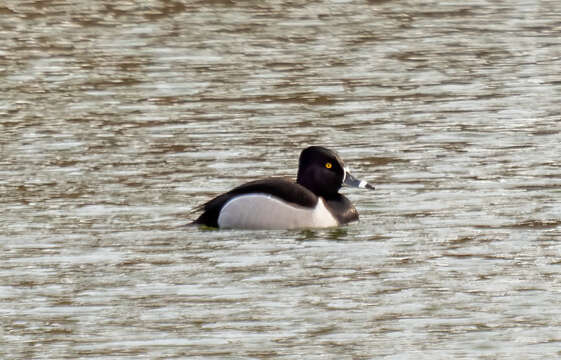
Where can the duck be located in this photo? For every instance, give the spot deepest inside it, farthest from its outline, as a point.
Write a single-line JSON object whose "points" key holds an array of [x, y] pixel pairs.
{"points": [[313, 201]]}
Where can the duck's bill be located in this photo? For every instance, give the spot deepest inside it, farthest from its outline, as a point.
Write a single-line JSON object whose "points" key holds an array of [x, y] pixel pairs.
{"points": [[354, 182]]}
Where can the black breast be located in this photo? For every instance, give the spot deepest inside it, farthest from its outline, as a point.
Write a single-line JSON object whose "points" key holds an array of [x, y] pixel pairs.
{"points": [[342, 208]]}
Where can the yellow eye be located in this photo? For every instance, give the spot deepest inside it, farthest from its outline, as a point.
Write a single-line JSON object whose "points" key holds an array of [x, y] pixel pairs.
{"points": [[328, 165]]}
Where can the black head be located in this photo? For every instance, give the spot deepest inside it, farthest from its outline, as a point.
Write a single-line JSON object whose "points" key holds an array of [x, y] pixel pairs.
{"points": [[322, 171]]}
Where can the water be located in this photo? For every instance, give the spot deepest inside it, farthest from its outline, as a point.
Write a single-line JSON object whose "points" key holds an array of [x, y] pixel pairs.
{"points": [[117, 118]]}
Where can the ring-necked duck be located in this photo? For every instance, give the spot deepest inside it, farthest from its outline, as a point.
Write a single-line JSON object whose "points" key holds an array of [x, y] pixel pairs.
{"points": [[277, 203]]}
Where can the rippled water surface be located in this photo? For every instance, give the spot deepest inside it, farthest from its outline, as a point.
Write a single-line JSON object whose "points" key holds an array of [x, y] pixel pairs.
{"points": [[119, 117]]}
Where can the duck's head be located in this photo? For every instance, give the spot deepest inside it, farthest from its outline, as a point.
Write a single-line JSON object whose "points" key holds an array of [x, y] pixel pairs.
{"points": [[322, 171]]}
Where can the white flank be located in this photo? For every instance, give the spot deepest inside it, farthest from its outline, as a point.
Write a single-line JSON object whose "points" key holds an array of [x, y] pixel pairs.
{"points": [[362, 184], [262, 211]]}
